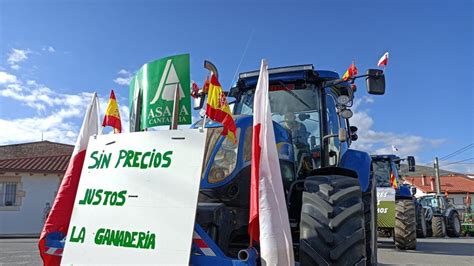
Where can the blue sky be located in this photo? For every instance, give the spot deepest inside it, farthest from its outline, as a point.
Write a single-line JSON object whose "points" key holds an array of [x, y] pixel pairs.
{"points": [[54, 53]]}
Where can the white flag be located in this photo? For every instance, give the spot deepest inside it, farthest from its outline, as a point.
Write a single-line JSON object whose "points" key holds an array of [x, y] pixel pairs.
{"points": [[59, 216], [276, 247], [383, 61], [394, 148]]}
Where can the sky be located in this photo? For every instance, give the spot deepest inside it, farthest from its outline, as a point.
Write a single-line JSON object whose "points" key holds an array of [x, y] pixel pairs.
{"points": [[54, 54]]}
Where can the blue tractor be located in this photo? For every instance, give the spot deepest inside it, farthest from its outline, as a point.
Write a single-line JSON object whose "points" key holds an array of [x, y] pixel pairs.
{"points": [[330, 202], [398, 214]]}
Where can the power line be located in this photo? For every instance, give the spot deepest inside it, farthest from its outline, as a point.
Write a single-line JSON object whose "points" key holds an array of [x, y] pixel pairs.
{"points": [[455, 153], [458, 162]]}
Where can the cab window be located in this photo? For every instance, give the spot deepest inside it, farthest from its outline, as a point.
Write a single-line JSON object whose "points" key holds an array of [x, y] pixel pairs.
{"points": [[332, 128]]}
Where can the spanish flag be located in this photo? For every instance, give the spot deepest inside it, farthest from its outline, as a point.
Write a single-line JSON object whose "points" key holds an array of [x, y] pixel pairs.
{"points": [[112, 114], [393, 180], [350, 72], [218, 109]]}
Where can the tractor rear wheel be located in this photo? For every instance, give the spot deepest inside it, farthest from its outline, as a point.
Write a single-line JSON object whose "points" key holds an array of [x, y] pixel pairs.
{"points": [[438, 226], [405, 224], [370, 216], [421, 227], [332, 222], [453, 226]]}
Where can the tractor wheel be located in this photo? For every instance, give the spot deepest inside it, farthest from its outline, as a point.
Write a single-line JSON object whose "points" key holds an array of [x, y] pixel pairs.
{"points": [[438, 226], [453, 226], [405, 224], [421, 227], [370, 217], [332, 222]]}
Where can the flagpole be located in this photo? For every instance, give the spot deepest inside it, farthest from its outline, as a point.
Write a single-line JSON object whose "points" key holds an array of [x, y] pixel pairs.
{"points": [[174, 121], [203, 123]]}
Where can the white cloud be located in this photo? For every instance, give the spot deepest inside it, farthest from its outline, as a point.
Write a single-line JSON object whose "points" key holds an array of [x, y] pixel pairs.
{"points": [[53, 128], [124, 77], [379, 142], [123, 81], [38, 96], [48, 49], [124, 72], [61, 125], [57, 113], [17, 56], [6, 78]]}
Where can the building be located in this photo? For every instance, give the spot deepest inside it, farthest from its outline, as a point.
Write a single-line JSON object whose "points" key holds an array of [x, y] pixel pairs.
{"points": [[456, 187], [30, 175]]}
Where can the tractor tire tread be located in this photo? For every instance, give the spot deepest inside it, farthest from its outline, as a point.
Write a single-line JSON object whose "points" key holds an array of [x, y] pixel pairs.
{"points": [[450, 228], [438, 226], [331, 229], [405, 224]]}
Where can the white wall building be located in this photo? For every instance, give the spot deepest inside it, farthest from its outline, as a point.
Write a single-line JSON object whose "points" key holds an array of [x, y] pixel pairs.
{"points": [[28, 185]]}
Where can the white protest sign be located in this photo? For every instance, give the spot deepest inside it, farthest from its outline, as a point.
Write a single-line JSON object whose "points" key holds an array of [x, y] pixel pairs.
{"points": [[136, 201]]}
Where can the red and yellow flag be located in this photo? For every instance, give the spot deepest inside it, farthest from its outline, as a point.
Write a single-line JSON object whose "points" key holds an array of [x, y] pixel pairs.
{"points": [[350, 72], [393, 180], [218, 109], [112, 114]]}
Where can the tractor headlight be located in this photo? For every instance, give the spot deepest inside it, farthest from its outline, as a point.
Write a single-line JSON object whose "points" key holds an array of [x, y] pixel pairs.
{"points": [[343, 99], [224, 161], [346, 113]]}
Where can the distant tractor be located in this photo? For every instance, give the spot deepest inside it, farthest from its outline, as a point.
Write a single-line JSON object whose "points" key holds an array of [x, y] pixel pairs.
{"points": [[396, 207], [445, 218]]}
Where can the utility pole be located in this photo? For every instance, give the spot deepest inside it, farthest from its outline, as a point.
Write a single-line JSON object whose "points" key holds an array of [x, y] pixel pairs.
{"points": [[438, 181]]}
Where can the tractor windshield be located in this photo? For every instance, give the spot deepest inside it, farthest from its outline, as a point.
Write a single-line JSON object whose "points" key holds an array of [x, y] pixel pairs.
{"points": [[382, 173], [296, 108]]}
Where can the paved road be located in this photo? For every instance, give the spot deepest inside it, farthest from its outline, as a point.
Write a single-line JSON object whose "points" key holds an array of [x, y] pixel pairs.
{"points": [[19, 251], [430, 251], [440, 251]]}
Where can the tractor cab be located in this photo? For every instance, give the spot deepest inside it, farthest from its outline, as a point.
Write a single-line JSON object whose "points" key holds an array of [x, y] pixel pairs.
{"points": [[315, 116], [386, 171]]}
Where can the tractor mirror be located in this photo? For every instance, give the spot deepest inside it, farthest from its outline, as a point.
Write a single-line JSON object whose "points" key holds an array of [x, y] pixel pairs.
{"points": [[413, 190], [375, 81], [411, 163]]}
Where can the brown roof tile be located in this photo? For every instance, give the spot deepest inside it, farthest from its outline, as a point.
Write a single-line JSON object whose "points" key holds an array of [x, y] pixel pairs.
{"points": [[451, 184], [46, 164]]}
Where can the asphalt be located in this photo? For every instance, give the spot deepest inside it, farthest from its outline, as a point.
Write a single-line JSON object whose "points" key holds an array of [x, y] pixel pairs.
{"points": [[430, 251], [19, 251]]}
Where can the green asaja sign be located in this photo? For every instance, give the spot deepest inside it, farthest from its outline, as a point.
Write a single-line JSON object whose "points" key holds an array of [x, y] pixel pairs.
{"points": [[158, 81]]}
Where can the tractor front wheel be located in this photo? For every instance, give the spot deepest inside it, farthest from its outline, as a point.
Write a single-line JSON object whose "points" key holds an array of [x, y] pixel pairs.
{"points": [[405, 224], [453, 228], [438, 226], [332, 222]]}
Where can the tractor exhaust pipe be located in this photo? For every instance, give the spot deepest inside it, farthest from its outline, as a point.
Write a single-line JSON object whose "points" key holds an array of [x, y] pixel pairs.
{"points": [[249, 255]]}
